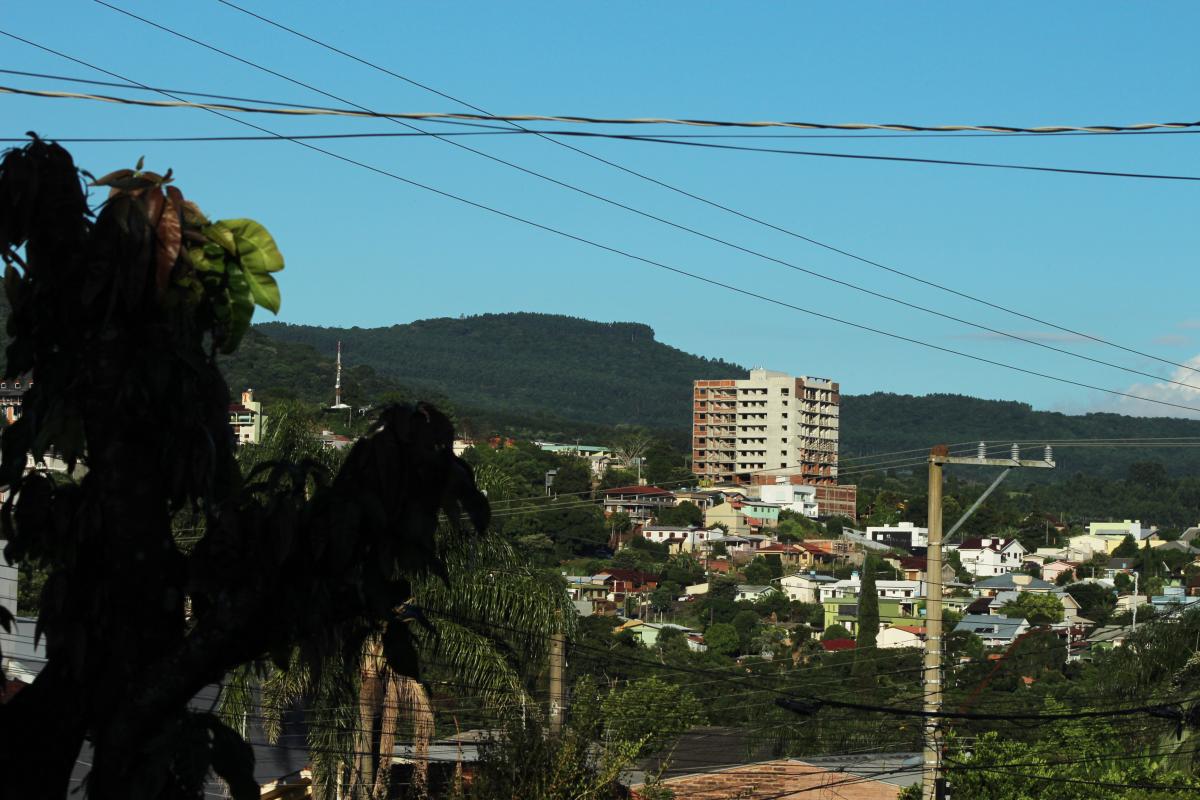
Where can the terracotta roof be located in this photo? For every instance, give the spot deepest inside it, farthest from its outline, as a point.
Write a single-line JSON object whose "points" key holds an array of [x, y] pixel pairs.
{"points": [[917, 629], [830, 645], [913, 562]]}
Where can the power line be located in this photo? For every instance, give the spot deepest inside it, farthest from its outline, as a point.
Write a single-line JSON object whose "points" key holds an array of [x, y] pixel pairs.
{"points": [[654, 217], [193, 93], [707, 201], [273, 138], [309, 111], [662, 265]]}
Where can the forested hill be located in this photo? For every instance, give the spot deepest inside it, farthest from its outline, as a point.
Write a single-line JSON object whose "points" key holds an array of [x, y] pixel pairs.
{"points": [[884, 422], [558, 376], [590, 372]]}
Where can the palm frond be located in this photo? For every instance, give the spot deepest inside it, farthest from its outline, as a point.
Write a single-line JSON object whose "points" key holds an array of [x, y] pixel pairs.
{"points": [[237, 705], [477, 663]]}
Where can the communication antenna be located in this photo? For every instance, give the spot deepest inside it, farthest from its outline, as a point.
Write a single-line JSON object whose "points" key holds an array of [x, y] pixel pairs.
{"points": [[337, 382]]}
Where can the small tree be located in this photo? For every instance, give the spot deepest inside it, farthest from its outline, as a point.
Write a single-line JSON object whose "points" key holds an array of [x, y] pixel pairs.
{"points": [[673, 711], [1127, 548], [835, 631], [722, 639], [868, 624], [1037, 608]]}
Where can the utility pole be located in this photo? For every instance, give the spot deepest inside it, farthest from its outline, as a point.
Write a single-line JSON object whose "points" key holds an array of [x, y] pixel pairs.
{"points": [[931, 776], [932, 782], [557, 665]]}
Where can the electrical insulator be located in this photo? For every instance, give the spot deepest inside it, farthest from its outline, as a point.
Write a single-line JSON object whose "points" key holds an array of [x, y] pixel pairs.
{"points": [[1016, 452], [982, 451], [1049, 454]]}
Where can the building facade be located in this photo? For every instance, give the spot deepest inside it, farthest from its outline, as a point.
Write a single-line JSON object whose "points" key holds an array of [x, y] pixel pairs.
{"points": [[246, 419], [767, 425]]}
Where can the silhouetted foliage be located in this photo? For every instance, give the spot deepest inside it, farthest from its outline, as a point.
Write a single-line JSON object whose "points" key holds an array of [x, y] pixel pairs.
{"points": [[119, 316]]}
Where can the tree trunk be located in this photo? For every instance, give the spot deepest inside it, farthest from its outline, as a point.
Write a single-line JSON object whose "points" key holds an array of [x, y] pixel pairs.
{"points": [[389, 725], [362, 777], [415, 701]]}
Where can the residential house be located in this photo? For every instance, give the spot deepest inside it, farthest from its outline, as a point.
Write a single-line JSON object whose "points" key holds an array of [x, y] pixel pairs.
{"points": [[801, 555], [621, 583], [647, 633], [791, 556], [1011, 582], [1124, 564], [798, 498], [897, 636], [904, 536], [1107, 637], [896, 590], [842, 549], [680, 539], [994, 631], [1171, 598], [730, 517], [702, 500], [1113, 533], [805, 587], [987, 556], [751, 593], [734, 545], [246, 419], [641, 503], [597, 456], [766, 513], [1084, 546], [913, 568], [1051, 570], [844, 611], [585, 587]]}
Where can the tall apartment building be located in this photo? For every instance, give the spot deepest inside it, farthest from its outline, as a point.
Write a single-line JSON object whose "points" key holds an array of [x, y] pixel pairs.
{"points": [[764, 427]]}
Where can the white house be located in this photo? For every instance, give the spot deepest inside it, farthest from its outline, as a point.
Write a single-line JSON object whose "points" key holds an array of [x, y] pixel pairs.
{"points": [[805, 586], [904, 535], [752, 593], [681, 539], [801, 499], [895, 590], [985, 557], [1119, 530], [896, 636]]}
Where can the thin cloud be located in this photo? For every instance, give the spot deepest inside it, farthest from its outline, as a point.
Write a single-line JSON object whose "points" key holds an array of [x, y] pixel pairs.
{"points": [[1189, 325], [1164, 392], [1172, 340]]}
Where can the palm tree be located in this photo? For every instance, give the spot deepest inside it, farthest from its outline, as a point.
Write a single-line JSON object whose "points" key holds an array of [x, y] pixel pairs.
{"points": [[486, 620]]}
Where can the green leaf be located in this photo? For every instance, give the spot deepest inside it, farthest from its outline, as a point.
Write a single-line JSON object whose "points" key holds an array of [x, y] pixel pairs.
{"points": [[218, 233], [241, 308], [255, 246], [232, 759], [265, 290]]}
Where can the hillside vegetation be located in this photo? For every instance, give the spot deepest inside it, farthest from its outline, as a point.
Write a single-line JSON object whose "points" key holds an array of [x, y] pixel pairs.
{"points": [[543, 375], [591, 372]]}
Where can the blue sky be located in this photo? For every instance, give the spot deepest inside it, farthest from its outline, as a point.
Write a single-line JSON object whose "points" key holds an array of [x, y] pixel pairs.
{"points": [[1111, 257]]}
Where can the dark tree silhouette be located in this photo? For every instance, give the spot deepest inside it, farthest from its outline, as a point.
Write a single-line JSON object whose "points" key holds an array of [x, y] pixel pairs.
{"points": [[119, 317]]}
